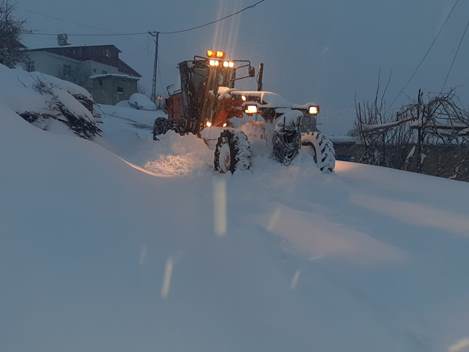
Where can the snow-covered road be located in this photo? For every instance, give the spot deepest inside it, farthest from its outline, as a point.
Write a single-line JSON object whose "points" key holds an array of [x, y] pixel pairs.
{"points": [[100, 256]]}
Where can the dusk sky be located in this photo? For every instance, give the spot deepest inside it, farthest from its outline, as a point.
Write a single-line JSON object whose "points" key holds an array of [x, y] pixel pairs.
{"points": [[326, 51]]}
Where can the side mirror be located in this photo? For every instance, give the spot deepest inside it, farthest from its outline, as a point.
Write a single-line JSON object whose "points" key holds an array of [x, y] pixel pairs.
{"points": [[252, 72]]}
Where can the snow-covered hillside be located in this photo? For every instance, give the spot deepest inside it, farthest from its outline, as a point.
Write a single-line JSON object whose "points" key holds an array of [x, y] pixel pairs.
{"points": [[122, 250], [48, 102]]}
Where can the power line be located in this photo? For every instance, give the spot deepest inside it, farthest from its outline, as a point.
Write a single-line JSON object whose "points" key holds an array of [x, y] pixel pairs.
{"points": [[214, 21], [427, 53], [453, 62], [190, 29]]}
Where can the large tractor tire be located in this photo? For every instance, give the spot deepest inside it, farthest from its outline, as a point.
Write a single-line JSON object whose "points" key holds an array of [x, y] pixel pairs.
{"points": [[232, 152], [161, 126], [323, 150], [286, 145]]}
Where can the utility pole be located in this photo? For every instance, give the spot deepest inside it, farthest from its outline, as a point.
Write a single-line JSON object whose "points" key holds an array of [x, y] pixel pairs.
{"points": [[156, 35]]}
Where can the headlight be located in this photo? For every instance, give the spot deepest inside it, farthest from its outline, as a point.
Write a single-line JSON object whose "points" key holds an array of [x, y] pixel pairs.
{"points": [[313, 110], [251, 109], [208, 124], [214, 63], [228, 64]]}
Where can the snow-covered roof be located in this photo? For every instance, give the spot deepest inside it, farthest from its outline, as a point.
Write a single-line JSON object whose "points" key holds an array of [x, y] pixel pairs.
{"points": [[115, 75], [36, 47], [270, 98], [107, 54]]}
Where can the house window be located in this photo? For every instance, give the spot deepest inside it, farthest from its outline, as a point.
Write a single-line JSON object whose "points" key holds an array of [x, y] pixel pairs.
{"points": [[120, 90], [100, 81], [67, 70], [107, 53]]}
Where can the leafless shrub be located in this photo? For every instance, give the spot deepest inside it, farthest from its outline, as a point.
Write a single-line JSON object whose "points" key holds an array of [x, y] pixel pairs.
{"points": [[10, 30], [402, 140]]}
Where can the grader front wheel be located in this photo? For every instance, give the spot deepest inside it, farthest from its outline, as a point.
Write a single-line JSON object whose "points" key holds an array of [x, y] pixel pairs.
{"points": [[323, 150]]}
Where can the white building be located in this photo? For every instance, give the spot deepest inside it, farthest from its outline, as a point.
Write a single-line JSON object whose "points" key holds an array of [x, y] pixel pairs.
{"points": [[97, 68]]}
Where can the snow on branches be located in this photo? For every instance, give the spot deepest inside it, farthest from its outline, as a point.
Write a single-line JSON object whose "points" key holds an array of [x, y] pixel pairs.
{"points": [[404, 139], [44, 100]]}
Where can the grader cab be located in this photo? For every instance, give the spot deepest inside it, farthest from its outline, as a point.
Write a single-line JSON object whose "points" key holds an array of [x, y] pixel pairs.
{"points": [[195, 104]]}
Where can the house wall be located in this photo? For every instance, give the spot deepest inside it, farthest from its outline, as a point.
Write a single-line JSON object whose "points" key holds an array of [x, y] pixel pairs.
{"points": [[57, 66], [90, 68], [106, 90], [112, 90]]}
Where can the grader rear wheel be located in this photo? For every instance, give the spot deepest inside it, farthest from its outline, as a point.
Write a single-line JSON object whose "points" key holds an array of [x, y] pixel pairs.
{"points": [[161, 126], [232, 152]]}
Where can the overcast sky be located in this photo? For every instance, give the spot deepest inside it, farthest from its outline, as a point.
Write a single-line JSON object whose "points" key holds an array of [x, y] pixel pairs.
{"points": [[314, 50]]}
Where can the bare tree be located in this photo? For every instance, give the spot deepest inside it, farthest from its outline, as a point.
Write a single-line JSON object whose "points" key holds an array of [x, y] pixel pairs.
{"points": [[403, 141], [369, 114], [436, 120], [10, 30]]}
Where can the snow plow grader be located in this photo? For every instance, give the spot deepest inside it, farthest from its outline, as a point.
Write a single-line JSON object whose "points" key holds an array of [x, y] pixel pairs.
{"points": [[231, 121]]}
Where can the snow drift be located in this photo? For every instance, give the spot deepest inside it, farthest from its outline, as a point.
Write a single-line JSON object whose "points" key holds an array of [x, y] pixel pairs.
{"points": [[141, 102], [278, 259], [48, 102]]}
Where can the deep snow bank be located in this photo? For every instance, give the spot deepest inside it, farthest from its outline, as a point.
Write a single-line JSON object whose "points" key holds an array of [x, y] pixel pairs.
{"points": [[141, 102], [278, 259], [48, 102]]}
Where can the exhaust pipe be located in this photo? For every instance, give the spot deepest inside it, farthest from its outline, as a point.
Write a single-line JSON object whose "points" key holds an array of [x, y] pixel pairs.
{"points": [[260, 78]]}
